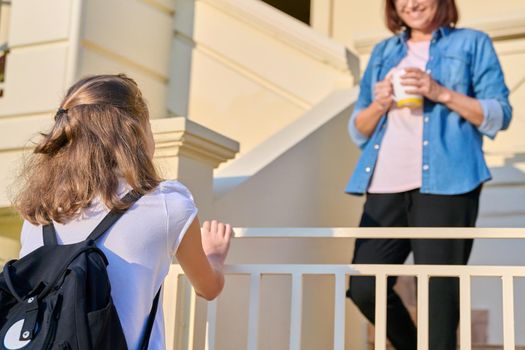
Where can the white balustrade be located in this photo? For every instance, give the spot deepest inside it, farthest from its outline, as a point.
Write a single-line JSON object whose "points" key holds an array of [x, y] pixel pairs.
{"points": [[423, 273]]}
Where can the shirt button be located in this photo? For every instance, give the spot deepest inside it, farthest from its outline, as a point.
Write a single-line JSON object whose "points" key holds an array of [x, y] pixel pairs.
{"points": [[425, 143], [376, 146], [425, 167], [426, 119], [368, 169]]}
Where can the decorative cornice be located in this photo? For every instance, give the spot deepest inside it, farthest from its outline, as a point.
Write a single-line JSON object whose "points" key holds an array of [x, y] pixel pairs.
{"points": [[175, 137]]}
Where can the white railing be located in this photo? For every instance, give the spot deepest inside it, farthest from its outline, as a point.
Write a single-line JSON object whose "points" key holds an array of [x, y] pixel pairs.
{"points": [[381, 273]]}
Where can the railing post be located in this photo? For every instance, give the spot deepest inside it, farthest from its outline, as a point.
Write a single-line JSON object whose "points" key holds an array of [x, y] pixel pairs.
{"points": [[380, 312], [508, 312], [192, 316], [422, 311], [339, 312], [464, 317], [296, 311], [253, 312], [211, 325]]}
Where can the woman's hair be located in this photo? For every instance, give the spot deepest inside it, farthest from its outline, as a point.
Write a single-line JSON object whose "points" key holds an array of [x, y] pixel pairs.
{"points": [[98, 138], [447, 15]]}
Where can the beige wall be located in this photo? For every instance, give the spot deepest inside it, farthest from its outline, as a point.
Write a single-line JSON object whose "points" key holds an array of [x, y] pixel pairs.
{"points": [[302, 187], [252, 70], [132, 37]]}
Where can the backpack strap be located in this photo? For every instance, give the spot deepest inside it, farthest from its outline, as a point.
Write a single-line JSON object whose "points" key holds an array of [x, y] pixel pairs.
{"points": [[50, 234], [151, 321], [112, 217]]}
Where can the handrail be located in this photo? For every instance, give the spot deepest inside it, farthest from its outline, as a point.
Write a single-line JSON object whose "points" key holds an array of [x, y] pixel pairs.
{"points": [[382, 232]]}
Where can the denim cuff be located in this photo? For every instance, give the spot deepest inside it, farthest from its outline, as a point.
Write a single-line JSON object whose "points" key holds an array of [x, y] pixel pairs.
{"points": [[358, 138], [492, 117]]}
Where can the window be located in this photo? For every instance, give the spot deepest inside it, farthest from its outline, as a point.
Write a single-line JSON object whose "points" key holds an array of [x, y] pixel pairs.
{"points": [[299, 9], [4, 51]]}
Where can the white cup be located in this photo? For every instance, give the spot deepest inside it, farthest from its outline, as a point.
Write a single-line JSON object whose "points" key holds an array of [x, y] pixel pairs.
{"points": [[400, 96]]}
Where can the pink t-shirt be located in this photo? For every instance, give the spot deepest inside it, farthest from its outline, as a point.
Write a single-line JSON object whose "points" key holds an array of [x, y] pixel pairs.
{"points": [[399, 162]]}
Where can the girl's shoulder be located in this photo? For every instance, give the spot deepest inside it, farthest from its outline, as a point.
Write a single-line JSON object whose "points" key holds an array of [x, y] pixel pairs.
{"points": [[173, 186], [174, 192]]}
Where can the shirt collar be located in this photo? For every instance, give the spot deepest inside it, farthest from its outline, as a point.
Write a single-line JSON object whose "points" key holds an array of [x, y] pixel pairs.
{"points": [[437, 34]]}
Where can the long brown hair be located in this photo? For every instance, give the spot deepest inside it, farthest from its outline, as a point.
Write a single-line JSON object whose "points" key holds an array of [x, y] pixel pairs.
{"points": [[99, 136], [446, 16]]}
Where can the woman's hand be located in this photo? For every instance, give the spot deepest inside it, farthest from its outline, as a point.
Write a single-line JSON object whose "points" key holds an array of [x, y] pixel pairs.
{"points": [[383, 93], [366, 121], [421, 83], [216, 238]]}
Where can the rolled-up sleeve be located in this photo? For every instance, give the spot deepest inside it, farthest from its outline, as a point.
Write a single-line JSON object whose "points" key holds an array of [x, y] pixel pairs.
{"points": [[358, 138], [490, 89], [492, 117]]}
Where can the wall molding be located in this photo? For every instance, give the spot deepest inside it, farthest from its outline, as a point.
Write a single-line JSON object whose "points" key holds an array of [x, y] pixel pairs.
{"points": [[175, 137], [292, 32], [115, 56], [244, 71]]}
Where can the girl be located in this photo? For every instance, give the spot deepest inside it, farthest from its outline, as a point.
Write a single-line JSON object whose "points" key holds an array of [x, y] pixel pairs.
{"points": [[99, 148]]}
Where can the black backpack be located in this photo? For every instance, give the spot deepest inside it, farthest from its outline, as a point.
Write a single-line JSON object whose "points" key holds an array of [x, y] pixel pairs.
{"points": [[58, 297]]}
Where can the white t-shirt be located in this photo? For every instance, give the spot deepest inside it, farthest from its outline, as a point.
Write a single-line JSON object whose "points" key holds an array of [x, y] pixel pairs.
{"points": [[140, 248]]}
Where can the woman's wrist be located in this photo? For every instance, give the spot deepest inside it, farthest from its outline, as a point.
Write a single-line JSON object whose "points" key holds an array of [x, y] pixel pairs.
{"points": [[379, 108], [444, 95]]}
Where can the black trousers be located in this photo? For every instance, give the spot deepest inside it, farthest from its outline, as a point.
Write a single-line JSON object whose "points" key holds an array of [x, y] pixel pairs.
{"points": [[413, 209]]}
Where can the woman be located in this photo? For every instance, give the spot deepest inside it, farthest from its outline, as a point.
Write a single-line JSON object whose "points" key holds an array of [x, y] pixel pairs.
{"points": [[424, 166], [100, 147]]}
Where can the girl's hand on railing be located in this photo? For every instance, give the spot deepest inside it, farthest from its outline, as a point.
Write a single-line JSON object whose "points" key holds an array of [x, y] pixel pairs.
{"points": [[201, 255], [216, 238]]}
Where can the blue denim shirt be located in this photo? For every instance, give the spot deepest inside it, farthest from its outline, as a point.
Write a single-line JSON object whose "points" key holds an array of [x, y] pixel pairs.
{"points": [[462, 60]]}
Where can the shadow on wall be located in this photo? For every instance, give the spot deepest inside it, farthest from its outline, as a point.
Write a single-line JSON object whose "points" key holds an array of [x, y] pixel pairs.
{"points": [[179, 86], [304, 187]]}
